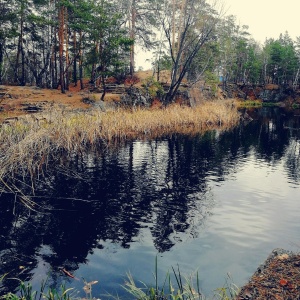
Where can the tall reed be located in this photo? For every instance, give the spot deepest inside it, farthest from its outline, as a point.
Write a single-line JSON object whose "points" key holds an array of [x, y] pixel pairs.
{"points": [[27, 143]]}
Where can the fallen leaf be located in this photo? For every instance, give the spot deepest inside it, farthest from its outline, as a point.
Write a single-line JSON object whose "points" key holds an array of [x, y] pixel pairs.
{"points": [[283, 282]]}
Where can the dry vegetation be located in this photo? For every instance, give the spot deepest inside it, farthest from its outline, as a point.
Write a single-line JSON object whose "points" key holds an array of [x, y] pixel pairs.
{"points": [[67, 125], [27, 142]]}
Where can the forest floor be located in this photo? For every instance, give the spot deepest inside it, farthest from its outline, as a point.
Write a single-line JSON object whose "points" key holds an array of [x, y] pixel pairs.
{"points": [[20, 100]]}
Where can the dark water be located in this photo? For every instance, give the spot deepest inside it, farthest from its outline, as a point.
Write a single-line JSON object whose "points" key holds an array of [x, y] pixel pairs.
{"points": [[216, 203]]}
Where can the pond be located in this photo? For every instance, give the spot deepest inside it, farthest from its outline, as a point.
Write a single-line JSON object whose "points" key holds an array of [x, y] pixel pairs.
{"points": [[216, 203]]}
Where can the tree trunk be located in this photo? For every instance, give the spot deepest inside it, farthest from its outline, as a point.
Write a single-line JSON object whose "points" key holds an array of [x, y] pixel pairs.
{"points": [[61, 48], [23, 74], [67, 73], [19, 51], [173, 26], [295, 82], [132, 36], [75, 60], [93, 73], [182, 61], [1, 59], [52, 62], [80, 61], [104, 86]]}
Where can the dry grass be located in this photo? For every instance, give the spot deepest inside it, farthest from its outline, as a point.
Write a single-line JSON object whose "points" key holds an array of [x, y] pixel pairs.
{"points": [[27, 143]]}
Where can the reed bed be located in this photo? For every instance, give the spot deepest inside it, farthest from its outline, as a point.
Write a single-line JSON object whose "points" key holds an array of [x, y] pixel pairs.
{"points": [[27, 143]]}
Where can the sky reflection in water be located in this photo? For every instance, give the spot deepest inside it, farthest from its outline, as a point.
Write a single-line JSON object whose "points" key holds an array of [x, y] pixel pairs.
{"points": [[217, 203]]}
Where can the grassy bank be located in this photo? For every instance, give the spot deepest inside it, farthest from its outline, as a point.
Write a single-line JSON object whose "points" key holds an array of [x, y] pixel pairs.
{"points": [[27, 142]]}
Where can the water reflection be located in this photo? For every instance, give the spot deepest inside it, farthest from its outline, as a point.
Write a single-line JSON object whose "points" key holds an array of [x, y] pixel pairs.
{"points": [[162, 185]]}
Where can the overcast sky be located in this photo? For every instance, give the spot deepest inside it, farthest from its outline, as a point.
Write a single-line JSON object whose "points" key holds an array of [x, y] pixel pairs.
{"points": [[266, 18]]}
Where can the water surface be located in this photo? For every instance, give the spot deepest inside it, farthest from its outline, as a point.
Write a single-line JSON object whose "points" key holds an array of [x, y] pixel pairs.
{"points": [[216, 203]]}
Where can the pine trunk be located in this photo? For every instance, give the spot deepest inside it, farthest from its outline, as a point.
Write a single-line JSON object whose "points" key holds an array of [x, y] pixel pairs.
{"points": [[67, 73], [19, 52], [80, 61], [61, 47], [1, 59], [75, 60], [132, 36]]}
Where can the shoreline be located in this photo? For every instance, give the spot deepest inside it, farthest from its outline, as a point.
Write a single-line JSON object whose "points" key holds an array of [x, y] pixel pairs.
{"points": [[277, 278]]}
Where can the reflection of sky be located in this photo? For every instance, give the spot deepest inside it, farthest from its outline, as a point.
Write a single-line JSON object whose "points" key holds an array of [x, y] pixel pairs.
{"points": [[253, 202], [155, 155], [235, 222], [255, 209]]}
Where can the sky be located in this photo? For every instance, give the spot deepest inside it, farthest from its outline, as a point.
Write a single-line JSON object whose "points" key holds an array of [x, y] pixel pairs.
{"points": [[266, 18]]}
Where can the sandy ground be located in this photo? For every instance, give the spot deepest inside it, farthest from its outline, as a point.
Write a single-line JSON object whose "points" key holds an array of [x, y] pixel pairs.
{"points": [[19, 100]]}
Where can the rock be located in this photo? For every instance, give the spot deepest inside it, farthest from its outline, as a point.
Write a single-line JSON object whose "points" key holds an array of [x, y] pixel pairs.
{"points": [[135, 97], [100, 105], [31, 108], [88, 100]]}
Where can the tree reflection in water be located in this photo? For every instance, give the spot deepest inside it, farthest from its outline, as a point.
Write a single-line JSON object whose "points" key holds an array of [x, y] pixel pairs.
{"points": [[162, 185]]}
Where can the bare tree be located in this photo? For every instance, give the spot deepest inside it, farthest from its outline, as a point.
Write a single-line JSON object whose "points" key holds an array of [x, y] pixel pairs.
{"points": [[197, 21]]}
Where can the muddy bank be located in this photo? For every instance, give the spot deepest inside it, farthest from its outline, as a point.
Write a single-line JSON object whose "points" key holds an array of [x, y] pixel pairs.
{"points": [[278, 278]]}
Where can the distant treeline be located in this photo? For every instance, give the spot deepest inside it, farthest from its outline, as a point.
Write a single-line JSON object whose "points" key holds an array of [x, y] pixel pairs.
{"points": [[54, 43]]}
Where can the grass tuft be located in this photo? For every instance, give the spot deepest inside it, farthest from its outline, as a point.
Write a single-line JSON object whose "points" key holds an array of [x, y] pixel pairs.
{"points": [[185, 288], [249, 103]]}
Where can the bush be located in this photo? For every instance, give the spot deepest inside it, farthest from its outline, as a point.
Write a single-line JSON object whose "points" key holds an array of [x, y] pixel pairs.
{"points": [[153, 87]]}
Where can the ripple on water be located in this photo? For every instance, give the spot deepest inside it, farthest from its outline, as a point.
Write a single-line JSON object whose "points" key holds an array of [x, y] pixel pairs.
{"points": [[214, 204]]}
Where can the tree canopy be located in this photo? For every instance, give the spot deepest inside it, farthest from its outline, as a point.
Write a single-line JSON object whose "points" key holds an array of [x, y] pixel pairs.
{"points": [[55, 43]]}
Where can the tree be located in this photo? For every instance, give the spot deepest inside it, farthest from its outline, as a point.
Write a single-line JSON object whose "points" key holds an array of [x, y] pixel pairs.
{"points": [[27, 26], [297, 49], [109, 43], [38, 47], [161, 62], [282, 62], [233, 41], [198, 21], [141, 20], [7, 30], [254, 64]]}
